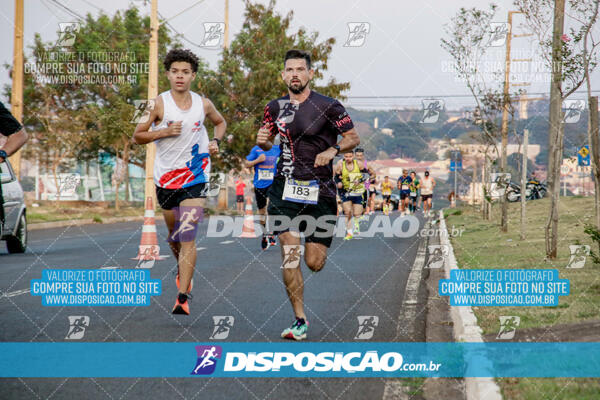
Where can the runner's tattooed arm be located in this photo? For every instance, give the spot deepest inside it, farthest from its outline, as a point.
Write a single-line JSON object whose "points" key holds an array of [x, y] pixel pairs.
{"points": [[144, 135], [218, 121]]}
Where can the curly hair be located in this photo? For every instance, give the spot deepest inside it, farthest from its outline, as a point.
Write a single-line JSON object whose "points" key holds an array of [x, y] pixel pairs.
{"points": [[184, 55]]}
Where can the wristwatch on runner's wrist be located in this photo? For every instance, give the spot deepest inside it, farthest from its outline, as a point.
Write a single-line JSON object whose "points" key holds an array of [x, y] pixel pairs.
{"points": [[217, 140], [3, 155], [337, 148]]}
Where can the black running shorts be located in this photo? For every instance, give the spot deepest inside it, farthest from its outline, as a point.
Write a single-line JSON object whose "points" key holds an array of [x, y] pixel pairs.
{"points": [[325, 206], [261, 195], [168, 199]]}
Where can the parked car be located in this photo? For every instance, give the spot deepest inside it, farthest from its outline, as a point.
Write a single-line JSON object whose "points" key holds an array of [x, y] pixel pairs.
{"points": [[14, 229]]}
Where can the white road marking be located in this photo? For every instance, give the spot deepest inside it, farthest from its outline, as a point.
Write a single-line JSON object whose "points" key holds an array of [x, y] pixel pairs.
{"points": [[395, 389], [15, 293], [200, 248], [227, 242]]}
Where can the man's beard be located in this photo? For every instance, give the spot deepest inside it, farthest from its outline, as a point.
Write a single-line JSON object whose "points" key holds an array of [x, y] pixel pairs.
{"points": [[297, 89]]}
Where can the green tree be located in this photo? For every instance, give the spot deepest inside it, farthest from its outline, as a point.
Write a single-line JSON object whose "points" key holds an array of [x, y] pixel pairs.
{"points": [[88, 104]]}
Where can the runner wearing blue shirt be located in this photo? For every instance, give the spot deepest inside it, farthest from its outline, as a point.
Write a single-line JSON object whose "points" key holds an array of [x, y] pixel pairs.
{"points": [[264, 163], [404, 183]]}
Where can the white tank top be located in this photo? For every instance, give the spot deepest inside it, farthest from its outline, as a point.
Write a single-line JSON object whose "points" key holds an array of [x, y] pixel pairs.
{"points": [[182, 161], [426, 185]]}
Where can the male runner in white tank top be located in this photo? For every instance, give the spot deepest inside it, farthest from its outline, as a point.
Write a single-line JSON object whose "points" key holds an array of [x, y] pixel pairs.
{"points": [[182, 163]]}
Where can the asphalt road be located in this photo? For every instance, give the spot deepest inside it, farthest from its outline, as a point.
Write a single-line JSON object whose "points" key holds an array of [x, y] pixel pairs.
{"points": [[234, 277]]}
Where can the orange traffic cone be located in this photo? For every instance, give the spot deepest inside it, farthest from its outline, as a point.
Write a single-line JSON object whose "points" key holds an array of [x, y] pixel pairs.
{"points": [[248, 227], [149, 248]]}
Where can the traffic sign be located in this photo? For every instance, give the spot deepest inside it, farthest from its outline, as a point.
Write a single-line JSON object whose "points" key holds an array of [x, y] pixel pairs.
{"points": [[456, 165], [583, 156]]}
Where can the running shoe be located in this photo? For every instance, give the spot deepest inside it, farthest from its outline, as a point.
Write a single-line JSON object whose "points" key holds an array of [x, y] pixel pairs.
{"points": [[177, 283], [272, 240], [297, 331], [182, 305], [348, 236], [265, 243]]}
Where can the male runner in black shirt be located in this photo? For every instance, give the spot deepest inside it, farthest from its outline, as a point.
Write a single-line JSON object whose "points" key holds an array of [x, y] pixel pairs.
{"points": [[308, 124], [17, 137]]}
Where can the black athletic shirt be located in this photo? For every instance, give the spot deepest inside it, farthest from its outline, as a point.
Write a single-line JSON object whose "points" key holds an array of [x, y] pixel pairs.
{"points": [[8, 123], [305, 130]]}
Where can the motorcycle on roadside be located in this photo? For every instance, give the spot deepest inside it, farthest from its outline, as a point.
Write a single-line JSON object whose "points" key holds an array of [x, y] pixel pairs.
{"points": [[533, 190]]}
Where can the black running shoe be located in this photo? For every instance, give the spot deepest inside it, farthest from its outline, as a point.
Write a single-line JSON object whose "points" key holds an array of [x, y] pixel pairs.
{"points": [[265, 242]]}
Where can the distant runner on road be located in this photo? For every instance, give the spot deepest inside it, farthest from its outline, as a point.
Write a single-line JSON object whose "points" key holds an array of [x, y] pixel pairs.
{"points": [[427, 185], [264, 164]]}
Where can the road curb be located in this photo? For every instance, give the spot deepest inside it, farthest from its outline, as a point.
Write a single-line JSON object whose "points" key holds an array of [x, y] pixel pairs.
{"points": [[79, 222], [466, 328]]}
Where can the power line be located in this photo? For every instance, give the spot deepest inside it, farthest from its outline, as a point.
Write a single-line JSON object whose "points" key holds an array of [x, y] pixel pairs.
{"points": [[443, 96], [165, 21], [73, 13], [181, 12]]}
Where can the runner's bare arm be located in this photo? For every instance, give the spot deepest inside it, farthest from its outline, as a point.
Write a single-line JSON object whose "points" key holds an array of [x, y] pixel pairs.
{"points": [[264, 139], [14, 142], [349, 141], [258, 160], [372, 173], [218, 121], [143, 135]]}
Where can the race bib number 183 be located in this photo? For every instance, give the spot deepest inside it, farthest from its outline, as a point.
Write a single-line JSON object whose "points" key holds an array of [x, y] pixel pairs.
{"points": [[301, 191]]}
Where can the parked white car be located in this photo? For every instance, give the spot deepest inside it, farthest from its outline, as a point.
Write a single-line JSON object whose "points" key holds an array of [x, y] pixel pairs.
{"points": [[14, 229]]}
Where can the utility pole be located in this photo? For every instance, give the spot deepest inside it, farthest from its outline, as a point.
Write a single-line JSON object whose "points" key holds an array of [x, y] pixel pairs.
{"points": [[16, 96], [524, 181], [504, 128], [595, 149], [223, 198], [152, 93], [226, 36], [555, 136]]}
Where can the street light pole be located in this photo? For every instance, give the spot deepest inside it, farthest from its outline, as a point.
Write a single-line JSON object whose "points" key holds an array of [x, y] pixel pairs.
{"points": [[152, 93], [16, 97]]}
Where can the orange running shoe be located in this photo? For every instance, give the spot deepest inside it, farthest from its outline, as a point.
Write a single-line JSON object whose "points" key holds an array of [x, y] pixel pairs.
{"points": [[182, 305]]}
